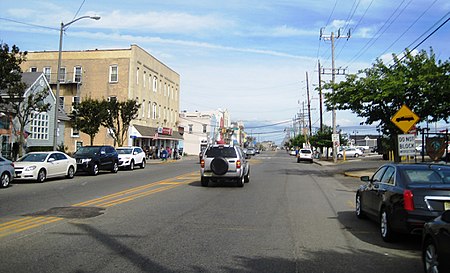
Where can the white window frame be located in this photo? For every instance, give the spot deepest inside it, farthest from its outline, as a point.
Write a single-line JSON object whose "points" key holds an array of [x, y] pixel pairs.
{"points": [[111, 74], [155, 84], [74, 132], [75, 73], [33, 69], [39, 126], [137, 76], [149, 110], [144, 78], [75, 101], [62, 74], [154, 107], [48, 73]]}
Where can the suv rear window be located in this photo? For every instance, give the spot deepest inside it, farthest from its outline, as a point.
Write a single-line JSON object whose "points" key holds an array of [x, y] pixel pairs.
{"points": [[221, 152]]}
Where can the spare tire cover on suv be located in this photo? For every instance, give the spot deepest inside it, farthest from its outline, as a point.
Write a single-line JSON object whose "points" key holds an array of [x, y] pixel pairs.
{"points": [[219, 165]]}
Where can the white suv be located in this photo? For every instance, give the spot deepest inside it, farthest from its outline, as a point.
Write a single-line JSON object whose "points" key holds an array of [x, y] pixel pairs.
{"points": [[129, 157], [224, 163]]}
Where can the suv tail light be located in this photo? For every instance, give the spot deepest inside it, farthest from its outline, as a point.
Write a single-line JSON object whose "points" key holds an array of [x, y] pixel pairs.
{"points": [[238, 164], [202, 163], [408, 200]]}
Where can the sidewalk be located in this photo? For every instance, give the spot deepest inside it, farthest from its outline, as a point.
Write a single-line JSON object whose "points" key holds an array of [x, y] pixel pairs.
{"points": [[356, 174], [159, 161]]}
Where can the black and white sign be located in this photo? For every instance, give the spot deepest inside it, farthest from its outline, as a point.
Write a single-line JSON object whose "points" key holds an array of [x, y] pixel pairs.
{"points": [[406, 145]]}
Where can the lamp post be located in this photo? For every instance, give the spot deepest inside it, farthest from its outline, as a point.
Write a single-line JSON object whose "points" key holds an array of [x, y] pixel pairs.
{"points": [[58, 73]]}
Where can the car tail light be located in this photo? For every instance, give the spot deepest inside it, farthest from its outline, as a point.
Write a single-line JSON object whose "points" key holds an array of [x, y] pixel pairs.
{"points": [[408, 200], [202, 163], [238, 164]]}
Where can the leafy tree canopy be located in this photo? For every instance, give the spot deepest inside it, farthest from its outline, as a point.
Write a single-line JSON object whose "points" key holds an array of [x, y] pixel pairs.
{"points": [[416, 80]]}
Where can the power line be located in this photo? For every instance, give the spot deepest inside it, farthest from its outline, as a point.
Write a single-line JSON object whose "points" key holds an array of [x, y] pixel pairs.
{"points": [[28, 24]]}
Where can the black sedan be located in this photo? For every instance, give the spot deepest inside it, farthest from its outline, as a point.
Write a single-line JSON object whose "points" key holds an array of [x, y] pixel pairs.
{"points": [[436, 244], [403, 197]]}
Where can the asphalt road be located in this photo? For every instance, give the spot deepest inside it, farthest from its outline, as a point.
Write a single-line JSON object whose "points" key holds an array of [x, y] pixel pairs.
{"points": [[291, 217]]}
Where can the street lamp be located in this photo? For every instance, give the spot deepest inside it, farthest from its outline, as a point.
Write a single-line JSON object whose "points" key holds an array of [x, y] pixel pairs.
{"points": [[63, 27]]}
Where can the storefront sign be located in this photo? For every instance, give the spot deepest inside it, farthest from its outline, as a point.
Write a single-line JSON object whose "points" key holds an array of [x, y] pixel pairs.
{"points": [[165, 131]]}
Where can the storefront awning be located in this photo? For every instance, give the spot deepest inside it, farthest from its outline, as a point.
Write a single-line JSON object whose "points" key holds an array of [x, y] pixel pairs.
{"points": [[140, 131]]}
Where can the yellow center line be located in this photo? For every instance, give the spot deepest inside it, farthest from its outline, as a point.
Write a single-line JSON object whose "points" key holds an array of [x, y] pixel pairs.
{"points": [[110, 200]]}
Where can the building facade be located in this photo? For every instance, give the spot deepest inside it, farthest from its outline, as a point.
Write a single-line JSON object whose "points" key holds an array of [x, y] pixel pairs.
{"points": [[208, 126], [119, 74]]}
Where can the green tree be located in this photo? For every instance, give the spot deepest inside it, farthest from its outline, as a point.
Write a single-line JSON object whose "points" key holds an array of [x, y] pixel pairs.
{"points": [[416, 80], [119, 118], [322, 139], [88, 116], [14, 98]]}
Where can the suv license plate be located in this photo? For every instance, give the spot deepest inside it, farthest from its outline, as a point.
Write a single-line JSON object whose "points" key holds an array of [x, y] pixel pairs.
{"points": [[446, 205]]}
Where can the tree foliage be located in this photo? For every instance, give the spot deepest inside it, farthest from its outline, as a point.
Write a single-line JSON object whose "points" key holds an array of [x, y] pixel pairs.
{"points": [[88, 116], [119, 118], [377, 93], [15, 99]]}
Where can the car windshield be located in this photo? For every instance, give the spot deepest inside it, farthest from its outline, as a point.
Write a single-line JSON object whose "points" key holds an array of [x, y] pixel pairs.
{"points": [[124, 151], [431, 176], [34, 157], [87, 150], [221, 152]]}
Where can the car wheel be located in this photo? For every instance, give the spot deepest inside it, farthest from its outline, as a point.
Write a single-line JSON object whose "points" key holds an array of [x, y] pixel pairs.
{"points": [[358, 209], [41, 176], [240, 182], [115, 167], [247, 177], [131, 167], [143, 164], [340, 155], [71, 172], [94, 170], [430, 257], [219, 166], [356, 155], [204, 181], [4, 180], [385, 226]]}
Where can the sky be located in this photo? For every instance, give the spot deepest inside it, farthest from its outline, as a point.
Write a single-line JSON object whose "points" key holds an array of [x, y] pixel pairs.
{"points": [[250, 57]]}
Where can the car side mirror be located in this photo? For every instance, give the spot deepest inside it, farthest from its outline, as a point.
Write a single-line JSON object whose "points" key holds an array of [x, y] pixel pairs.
{"points": [[102, 152], [365, 178], [446, 216], [51, 159]]}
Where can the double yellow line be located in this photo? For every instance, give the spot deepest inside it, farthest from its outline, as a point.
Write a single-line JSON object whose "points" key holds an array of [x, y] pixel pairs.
{"points": [[29, 222]]}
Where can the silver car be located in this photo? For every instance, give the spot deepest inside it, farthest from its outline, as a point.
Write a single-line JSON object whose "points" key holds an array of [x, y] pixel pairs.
{"points": [[224, 163], [6, 172]]}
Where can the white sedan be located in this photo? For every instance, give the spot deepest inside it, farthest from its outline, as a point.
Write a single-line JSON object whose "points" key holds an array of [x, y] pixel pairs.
{"points": [[130, 157], [351, 152], [42, 165]]}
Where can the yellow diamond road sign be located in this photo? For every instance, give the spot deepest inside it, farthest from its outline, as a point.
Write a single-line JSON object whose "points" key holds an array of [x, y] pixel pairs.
{"points": [[405, 119]]}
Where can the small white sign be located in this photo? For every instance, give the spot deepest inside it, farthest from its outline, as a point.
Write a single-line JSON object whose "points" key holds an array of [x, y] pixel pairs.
{"points": [[406, 145], [334, 137]]}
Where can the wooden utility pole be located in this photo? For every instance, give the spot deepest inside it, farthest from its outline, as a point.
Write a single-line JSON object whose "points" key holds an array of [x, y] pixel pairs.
{"points": [[309, 104], [320, 97]]}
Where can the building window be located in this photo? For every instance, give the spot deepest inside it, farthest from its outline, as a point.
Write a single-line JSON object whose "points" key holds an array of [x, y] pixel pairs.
{"points": [[113, 73], [165, 90], [75, 133], [77, 74], [61, 102], [39, 126], [155, 84], [137, 76], [78, 144], [48, 73], [75, 101], [62, 74], [154, 110], [149, 110], [204, 128], [144, 78], [143, 109], [190, 129], [33, 69], [112, 98]]}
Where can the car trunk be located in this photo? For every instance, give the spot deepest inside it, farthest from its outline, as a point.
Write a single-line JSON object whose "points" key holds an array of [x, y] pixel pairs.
{"points": [[431, 197]]}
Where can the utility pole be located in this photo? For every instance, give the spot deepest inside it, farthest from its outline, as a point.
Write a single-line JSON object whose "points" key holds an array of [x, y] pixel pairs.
{"points": [[309, 104], [333, 76], [320, 97]]}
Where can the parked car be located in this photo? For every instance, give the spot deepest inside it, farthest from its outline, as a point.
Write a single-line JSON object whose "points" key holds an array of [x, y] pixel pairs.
{"points": [[42, 165], [6, 172], [224, 163], [92, 159], [250, 151], [350, 152], [130, 157], [305, 155], [436, 244], [293, 152], [403, 197]]}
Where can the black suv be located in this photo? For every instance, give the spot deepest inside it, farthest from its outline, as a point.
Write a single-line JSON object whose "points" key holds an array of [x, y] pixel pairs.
{"points": [[92, 159]]}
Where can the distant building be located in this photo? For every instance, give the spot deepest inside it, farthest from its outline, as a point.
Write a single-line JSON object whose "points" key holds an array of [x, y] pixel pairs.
{"points": [[209, 126], [118, 74]]}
